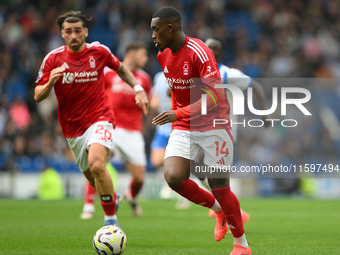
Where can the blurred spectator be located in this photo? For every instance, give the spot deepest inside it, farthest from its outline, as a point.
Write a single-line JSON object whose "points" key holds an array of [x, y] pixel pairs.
{"points": [[50, 185], [20, 114], [4, 116]]}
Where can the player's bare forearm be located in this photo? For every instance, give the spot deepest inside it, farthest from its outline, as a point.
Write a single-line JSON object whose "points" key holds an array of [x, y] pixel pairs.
{"points": [[42, 92], [164, 117], [141, 99], [125, 74]]}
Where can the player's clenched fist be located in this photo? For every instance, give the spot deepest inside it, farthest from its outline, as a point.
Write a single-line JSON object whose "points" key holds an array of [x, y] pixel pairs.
{"points": [[42, 92], [56, 73]]}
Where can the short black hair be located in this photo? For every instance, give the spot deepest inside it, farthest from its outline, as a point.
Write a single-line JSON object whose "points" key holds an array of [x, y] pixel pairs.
{"points": [[167, 13], [73, 17], [219, 40], [134, 46]]}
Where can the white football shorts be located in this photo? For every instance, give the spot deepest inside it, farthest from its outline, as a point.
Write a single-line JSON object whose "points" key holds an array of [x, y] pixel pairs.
{"points": [[101, 132], [217, 146], [130, 145]]}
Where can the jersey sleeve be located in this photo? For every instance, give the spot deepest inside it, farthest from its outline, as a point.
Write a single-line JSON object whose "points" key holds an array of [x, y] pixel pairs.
{"points": [[112, 61], [44, 72], [108, 75], [238, 79], [206, 64]]}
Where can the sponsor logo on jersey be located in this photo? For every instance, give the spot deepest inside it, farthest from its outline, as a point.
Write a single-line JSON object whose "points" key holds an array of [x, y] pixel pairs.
{"points": [[77, 77], [92, 62], [166, 70], [173, 81], [210, 73], [68, 78]]}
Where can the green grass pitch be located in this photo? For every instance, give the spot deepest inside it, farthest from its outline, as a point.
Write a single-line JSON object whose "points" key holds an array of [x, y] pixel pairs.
{"points": [[277, 226]]}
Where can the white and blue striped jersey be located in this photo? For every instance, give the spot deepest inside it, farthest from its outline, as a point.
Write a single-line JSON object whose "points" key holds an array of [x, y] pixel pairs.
{"points": [[237, 78]]}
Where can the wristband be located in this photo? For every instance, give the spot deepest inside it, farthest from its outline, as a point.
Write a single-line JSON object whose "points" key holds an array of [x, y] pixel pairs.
{"points": [[138, 88]]}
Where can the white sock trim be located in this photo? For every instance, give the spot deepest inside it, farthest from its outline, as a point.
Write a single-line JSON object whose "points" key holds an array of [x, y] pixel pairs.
{"points": [[241, 241], [110, 217], [216, 206], [88, 208]]}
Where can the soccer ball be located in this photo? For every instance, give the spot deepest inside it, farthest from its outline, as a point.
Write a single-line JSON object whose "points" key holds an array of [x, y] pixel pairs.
{"points": [[109, 240]]}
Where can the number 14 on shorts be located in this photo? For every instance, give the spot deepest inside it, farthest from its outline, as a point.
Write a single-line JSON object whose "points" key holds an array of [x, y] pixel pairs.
{"points": [[221, 150]]}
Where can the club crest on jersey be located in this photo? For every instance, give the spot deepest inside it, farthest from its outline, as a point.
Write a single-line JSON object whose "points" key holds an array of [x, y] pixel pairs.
{"points": [[92, 62], [186, 68]]}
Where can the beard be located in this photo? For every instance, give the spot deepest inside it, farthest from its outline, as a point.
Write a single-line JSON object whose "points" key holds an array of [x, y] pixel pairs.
{"points": [[161, 49], [75, 45]]}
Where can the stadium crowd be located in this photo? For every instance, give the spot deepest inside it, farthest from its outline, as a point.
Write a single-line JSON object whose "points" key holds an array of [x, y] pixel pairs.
{"points": [[264, 38]]}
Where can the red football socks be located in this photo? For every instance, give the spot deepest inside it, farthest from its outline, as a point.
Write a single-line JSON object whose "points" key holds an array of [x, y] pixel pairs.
{"points": [[90, 193], [231, 208], [135, 188], [109, 207], [191, 191]]}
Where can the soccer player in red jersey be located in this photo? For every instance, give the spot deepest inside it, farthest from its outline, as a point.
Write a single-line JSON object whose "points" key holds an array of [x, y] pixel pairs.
{"points": [[76, 72], [188, 65], [129, 139]]}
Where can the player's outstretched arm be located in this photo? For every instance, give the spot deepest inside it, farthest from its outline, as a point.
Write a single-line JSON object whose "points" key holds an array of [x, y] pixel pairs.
{"points": [[141, 99], [43, 91], [260, 98], [164, 117]]}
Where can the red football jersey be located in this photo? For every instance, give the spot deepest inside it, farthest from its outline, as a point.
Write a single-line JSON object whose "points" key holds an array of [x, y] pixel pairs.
{"points": [[191, 72], [122, 98], [80, 91]]}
